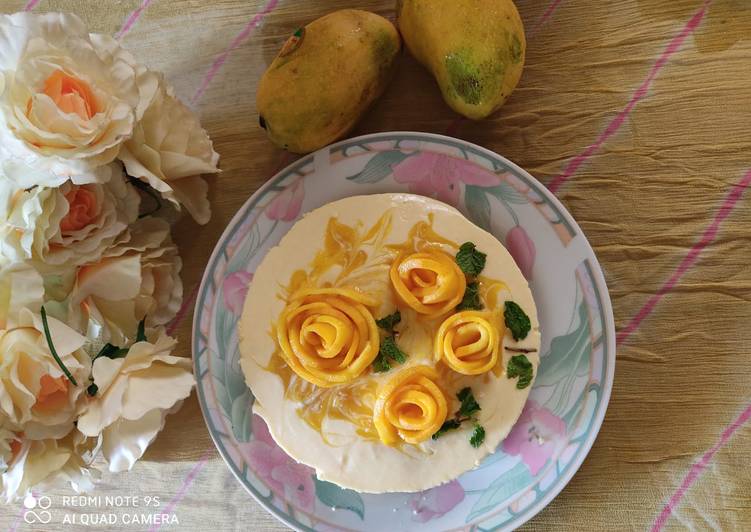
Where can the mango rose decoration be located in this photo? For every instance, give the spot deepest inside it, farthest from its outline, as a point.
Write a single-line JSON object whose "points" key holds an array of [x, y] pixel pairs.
{"points": [[96, 156], [430, 282], [328, 336], [468, 342], [410, 407]]}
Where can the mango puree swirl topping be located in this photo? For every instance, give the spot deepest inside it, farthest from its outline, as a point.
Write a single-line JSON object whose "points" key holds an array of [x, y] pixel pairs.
{"points": [[430, 282], [328, 336], [410, 406], [468, 342]]}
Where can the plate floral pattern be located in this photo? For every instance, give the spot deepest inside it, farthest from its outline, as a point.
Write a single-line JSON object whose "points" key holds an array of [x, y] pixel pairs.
{"points": [[570, 395]]}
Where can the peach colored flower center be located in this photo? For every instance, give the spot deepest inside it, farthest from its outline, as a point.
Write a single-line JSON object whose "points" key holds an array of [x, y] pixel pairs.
{"points": [[71, 95], [15, 445], [81, 210], [53, 393]]}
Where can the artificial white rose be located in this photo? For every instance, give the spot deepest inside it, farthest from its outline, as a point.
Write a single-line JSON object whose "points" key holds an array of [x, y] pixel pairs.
{"points": [[137, 278], [21, 287], [161, 292], [64, 226], [135, 393], [34, 391], [68, 99], [169, 150], [10, 442], [49, 463]]}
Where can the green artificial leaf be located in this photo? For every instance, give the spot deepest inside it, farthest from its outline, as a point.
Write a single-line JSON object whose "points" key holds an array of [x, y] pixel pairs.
{"points": [[333, 496], [471, 299], [112, 351], [478, 436], [469, 259], [468, 405], [450, 424], [387, 323], [516, 320], [379, 166], [141, 334], [520, 366]]}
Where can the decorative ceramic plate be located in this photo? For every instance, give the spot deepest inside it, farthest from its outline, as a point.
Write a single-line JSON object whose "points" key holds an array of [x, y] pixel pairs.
{"points": [[565, 408]]}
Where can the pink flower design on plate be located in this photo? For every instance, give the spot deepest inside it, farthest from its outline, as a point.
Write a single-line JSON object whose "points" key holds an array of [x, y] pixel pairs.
{"points": [[234, 290], [522, 249], [436, 502], [287, 204], [438, 175], [289, 480], [535, 436]]}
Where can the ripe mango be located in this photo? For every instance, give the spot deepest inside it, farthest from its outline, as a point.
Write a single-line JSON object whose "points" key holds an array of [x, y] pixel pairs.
{"points": [[474, 48], [325, 77]]}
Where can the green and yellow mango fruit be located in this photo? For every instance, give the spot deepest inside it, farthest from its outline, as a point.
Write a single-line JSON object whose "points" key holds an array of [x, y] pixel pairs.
{"points": [[474, 48], [325, 77]]}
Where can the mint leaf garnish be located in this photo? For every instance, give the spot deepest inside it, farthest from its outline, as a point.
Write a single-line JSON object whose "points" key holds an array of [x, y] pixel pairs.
{"points": [[470, 260], [389, 353], [380, 364], [448, 425], [478, 436], [520, 366], [469, 405], [516, 320], [471, 299], [387, 323], [467, 409]]}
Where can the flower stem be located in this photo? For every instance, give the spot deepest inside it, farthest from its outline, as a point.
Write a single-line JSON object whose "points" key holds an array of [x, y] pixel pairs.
{"points": [[48, 336]]}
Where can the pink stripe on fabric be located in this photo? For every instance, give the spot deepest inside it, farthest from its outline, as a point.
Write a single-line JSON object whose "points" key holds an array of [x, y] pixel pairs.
{"points": [[182, 311], [698, 468], [244, 34], [132, 19], [31, 4], [640, 93], [707, 238], [548, 13], [183, 489], [17, 521]]}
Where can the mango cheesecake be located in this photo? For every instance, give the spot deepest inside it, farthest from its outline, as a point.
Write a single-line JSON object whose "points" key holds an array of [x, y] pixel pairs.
{"points": [[390, 344]]}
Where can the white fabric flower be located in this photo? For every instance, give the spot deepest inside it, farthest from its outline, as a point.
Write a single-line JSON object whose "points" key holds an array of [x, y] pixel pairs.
{"points": [[10, 442], [34, 391], [21, 287], [68, 99], [169, 150], [64, 226], [48, 463], [134, 396], [138, 278]]}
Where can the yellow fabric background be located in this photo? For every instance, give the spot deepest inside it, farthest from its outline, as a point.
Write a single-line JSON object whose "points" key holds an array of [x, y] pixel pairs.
{"points": [[644, 198]]}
